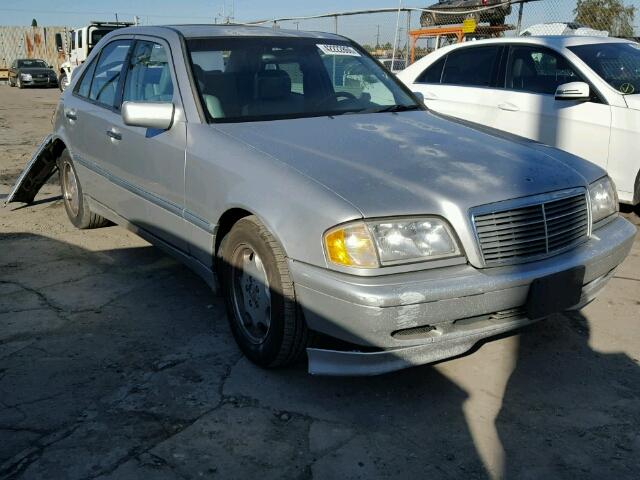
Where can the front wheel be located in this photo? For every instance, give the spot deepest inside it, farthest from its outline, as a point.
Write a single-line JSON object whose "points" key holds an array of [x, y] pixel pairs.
{"points": [[19, 83], [75, 203], [63, 82], [260, 296]]}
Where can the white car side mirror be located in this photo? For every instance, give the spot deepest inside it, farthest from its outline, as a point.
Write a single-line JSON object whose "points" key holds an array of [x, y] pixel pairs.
{"points": [[573, 91], [148, 115]]}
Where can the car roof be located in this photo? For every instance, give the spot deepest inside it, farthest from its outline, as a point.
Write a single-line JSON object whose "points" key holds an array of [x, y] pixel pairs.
{"points": [[557, 41], [228, 30]]}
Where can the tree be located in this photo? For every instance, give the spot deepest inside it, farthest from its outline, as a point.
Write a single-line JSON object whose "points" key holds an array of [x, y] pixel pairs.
{"points": [[34, 23], [610, 15]]}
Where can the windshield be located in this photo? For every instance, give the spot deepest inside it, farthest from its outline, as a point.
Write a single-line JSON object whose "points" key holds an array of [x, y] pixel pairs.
{"points": [[245, 79], [32, 64], [617, 63]]}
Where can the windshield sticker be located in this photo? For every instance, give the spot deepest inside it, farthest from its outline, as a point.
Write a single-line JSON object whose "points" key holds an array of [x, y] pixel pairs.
{"points": [[339, 50], [627, 88]]}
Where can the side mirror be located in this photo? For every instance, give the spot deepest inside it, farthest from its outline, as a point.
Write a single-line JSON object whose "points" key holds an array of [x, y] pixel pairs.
{"points": [[573, 91], [148, 115], [419, 96]]}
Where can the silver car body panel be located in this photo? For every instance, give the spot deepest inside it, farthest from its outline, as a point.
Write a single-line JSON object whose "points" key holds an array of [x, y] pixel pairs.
{"points": [[301, 177]]}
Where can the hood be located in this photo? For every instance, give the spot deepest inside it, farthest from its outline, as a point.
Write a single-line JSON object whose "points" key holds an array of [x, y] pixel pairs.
{"points": [[412, 162], [633, 101]]}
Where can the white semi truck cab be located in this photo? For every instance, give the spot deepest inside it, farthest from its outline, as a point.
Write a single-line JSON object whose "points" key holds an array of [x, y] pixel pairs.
{"points": [[77, 45]]}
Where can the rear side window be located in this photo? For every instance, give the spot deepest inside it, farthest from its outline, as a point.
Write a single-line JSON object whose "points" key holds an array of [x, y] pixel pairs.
{"points": [[472, 66], [149, 75], [433, 74], [85, 84], [108, 72]]}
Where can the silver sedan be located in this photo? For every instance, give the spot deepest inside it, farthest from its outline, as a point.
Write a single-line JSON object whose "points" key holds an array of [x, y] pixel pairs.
{"points": [[336, 215]]}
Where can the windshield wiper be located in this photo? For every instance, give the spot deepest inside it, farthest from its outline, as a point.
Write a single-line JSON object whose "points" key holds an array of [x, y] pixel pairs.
{"points": [[398, 108]]}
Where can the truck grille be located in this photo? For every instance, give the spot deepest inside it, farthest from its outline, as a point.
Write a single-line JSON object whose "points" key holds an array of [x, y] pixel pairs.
{"points": [[532, 231]]}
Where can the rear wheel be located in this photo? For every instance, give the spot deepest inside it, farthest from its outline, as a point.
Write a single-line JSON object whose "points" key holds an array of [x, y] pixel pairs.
{"points": [[260, 297], [11, 84], [75, 203], [63, 81]]}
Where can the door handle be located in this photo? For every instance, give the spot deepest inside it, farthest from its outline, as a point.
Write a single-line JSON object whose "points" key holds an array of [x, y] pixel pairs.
{"points": [[509, 107], [114, 135], [71, 115], [429, 96]]}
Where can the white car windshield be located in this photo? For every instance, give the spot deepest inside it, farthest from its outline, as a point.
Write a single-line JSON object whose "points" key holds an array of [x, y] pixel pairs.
{"points": [[247, 79], [617, 63]]}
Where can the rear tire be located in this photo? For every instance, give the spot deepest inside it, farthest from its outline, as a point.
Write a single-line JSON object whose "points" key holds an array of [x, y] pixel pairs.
{"points": [[63, 82], [260, 296], [75, 203], [11, 84]]}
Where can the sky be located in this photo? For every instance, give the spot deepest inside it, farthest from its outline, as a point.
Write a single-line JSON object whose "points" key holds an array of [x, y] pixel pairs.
{"points": [[362, 28]]}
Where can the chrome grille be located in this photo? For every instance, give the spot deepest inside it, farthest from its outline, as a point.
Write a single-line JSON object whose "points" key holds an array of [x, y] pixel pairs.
{"points": [[532, 231]]}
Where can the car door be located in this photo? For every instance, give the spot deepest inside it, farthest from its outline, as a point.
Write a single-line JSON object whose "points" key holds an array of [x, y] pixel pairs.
{"points": [[527, 105], [461, 84], [151, 162]]}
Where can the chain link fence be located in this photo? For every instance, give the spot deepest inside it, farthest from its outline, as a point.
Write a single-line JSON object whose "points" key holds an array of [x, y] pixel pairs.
{"points": [[387, 33]]}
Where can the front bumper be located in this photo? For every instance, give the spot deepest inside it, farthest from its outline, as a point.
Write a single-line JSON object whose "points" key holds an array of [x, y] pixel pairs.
{"points": [[422, 317], [40, 82]]}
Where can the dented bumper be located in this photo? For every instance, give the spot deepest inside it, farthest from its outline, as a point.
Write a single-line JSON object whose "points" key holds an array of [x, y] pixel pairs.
{"points": [[422, 317]]}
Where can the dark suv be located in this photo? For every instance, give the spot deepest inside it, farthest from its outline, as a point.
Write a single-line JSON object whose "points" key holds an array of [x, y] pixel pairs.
{"points": [[494, 16], [30, 71]]}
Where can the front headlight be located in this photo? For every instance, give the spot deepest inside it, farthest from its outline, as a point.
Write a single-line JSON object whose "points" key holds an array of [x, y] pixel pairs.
{"points": [[26, 76], [376, 243], [604, 199]]}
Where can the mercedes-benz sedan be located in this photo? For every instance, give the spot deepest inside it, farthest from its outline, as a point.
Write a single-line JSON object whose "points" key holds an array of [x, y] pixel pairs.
{"points": [[336, 214]]}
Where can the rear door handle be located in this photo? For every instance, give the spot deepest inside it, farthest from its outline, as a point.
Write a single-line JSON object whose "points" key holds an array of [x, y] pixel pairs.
{"points": [[509, 107], [114, 135], [71, 115]]}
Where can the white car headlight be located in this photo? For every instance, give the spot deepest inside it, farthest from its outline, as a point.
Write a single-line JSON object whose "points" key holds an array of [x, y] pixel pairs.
{"points": [[604, 199], [376, 243], [26, 76]]}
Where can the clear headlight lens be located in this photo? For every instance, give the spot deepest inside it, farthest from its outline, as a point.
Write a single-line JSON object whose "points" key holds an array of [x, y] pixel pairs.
{"points": [[604, 199], [373, 244], [25, 76]]}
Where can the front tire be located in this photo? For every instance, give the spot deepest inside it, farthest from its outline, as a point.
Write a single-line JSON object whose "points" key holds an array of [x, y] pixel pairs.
{"points": [[63, 82], [75, 202], [260, 296], [19, 83]]}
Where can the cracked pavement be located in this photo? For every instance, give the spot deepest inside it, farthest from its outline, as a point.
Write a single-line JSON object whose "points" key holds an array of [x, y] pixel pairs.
{"points": [[116, 362]]}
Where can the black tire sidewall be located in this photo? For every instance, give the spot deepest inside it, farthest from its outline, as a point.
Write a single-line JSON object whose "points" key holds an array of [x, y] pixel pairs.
{"points": [[81, 220], [247, 233], [60, 81]]}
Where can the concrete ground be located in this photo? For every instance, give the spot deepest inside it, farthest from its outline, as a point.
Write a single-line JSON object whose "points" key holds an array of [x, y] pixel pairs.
{"points": [[117, 362]]}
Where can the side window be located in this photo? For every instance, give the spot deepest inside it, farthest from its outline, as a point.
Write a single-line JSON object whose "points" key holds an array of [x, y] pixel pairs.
{"points": [[85, 84], [538, 70], [108, 72], [80, 38], [471, 66], [73, 40], [433, 74], [149, 75]]}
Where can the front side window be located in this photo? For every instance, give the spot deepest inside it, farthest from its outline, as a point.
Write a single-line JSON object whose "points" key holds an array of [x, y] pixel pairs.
{"points": [[538, 70], [149, 75], [617, 63], [245, 79], [108, 72], [471, 66]]}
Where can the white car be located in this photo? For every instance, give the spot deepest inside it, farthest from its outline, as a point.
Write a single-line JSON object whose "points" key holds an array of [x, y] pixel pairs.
{"points": [[580, 94]]}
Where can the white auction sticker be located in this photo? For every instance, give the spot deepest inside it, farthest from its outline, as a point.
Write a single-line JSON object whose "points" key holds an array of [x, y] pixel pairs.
{"points": [[339, 50]]}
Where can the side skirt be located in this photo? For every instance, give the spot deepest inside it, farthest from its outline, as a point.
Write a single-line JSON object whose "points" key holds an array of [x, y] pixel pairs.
{"points": [[196, 266]]}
